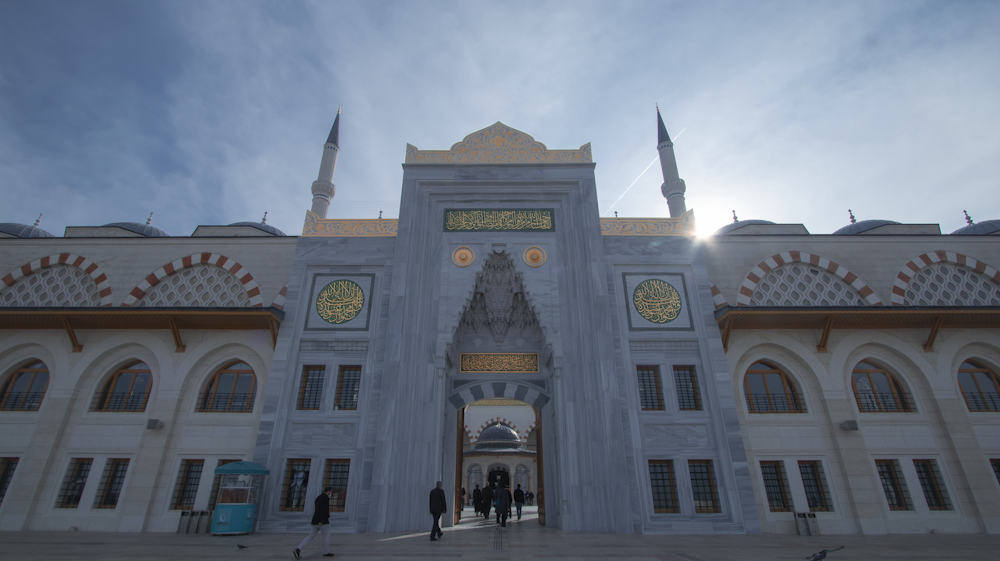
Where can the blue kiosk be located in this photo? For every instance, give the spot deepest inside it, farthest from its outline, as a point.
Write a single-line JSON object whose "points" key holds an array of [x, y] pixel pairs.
{"points": [[239, 490]]}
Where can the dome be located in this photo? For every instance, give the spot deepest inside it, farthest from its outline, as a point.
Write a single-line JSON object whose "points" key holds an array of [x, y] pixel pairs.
{"points": [[24, 231], [262, 227], [497, 438], [141, 229], [862, 226], [737, 225], [981, 229]]}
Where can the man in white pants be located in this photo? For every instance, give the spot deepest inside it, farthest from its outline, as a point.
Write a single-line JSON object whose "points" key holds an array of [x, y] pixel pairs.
{"points": [[320, 523]]}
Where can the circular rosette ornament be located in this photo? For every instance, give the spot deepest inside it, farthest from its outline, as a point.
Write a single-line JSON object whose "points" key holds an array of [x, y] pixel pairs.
{"points": [[657, 301], [340, 301], [463, 256], [534, 256]]}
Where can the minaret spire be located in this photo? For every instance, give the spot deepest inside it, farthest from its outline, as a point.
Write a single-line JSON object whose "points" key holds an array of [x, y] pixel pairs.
{"points": [[673, 187], [323, 188]]}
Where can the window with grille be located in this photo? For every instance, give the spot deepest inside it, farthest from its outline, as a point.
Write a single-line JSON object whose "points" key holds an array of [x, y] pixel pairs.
{"points": [[231, 390], [72, 486], [111, 483], [996, 468], [878, 391], [293, 494], [7, 467], [932, 484], [186, 488], [216, 481], [814, 483], [311, 387], [127, 390], [706, 498], [24, 389], [336, 477], [686, 384], [776, 486], [769, 390], [664, 486], [893, 484], [348, 384], [980, 386], [650, 388]]}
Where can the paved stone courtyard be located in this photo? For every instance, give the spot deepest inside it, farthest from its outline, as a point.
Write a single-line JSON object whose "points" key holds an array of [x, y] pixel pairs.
{"points": [[474, 540]]}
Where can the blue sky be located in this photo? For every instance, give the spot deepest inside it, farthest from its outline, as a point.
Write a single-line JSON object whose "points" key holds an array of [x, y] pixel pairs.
{"points": [[215, 112]]}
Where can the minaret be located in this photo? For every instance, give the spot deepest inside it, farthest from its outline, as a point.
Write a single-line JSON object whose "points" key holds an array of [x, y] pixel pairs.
{"points": [[323, 189], [673, 186]]}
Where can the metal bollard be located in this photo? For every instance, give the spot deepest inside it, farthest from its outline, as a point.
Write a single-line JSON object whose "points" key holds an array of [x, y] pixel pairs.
{"points": [[205, 522], [801, 524], [813, 524]]}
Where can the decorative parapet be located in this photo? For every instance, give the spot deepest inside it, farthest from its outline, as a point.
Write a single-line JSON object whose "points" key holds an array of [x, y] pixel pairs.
{"points": [[498, 144], [682, 226], [331, 227]]}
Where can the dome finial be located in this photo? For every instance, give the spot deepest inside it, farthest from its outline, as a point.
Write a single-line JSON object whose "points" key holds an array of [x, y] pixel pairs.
{"points": [[264, 220], [968, 219], [851, 214], [735, 220], [39, 219], [150, 219]]}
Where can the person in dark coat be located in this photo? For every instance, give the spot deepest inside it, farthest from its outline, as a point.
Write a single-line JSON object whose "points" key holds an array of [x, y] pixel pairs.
{"points": [[477, 499], [487, 500], [518, 500], [320, 523], [439, 506], [503, 506]]}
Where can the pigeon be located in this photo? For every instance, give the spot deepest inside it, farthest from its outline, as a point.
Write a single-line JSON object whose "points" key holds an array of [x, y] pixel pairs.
{"points": [[241, 546], [822, 554]]}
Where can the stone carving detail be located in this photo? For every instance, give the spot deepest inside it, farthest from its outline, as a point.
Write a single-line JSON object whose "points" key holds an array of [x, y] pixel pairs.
{"points": [[948, 284], [330, 227], [200, 285], [55, 286], [800, 284], [498, 301], [497, 144]]}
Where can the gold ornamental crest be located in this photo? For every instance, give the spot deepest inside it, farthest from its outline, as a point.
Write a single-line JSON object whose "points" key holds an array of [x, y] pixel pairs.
{"points": [[534, 256], [657, 301], [340, 301], [463, 256]]}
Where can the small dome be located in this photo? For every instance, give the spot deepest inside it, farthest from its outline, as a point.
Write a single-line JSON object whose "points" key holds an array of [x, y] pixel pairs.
{"points": [[983, 228], [862, 226], [737, 225], [262, 227], [141, 229], [497, 437], [24, 231]]}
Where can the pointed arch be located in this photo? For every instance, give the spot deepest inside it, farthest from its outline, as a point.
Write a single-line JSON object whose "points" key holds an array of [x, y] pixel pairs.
{"points": [[241, 273], [86, 265], [902, 281], [718, 298], [755, 275], [529, 394], [279, 300]]}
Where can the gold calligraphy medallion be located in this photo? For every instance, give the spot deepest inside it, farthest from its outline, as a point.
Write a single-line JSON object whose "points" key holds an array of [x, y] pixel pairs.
{"points": [[657, 301], [340, 301]]}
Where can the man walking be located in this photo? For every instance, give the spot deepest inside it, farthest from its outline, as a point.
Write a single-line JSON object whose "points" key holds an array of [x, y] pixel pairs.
{"points": [[477, 499], [320, 523], [487, 500], [503, 505], [518, 500], [439, 506]]}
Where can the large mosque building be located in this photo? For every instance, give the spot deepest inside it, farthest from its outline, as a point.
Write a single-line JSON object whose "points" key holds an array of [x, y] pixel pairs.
{"points": [[635, 378]]}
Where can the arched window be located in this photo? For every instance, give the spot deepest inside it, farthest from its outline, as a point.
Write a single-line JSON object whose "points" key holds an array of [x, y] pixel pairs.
{"points": [[127, 390], [231, 390], [24, 389], [879, 391], [769, 390], [980, 386]]}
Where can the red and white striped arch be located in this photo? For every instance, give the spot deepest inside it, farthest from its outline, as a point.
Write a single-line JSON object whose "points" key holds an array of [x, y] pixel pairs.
{"points": [[777, 260], [902, 281], [717, 297], [237, 270], [279, 300], [78, 261]]}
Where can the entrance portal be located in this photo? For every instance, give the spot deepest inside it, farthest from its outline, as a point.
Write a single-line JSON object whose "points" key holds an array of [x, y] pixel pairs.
{"points": [[500, 478]]}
